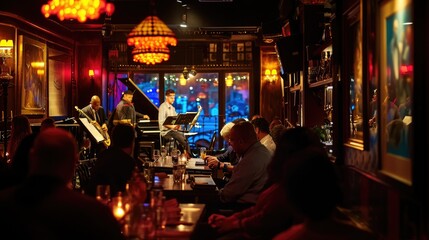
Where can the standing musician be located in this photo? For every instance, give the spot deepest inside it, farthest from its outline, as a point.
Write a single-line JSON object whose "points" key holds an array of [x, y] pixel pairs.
{"points": [[125, 112], [97, 116]]}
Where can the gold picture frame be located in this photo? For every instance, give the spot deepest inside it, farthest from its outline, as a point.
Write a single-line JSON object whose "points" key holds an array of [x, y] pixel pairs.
{"points": [[33, 72], [395, 44]]}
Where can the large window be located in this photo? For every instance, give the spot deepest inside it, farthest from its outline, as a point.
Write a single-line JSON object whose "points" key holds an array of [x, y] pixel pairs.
{"points": [[149, 84], [201, 90]]}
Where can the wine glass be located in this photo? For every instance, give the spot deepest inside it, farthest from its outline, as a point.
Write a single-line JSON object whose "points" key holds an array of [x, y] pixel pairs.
{"points": [[163, 153], [156, 155]]}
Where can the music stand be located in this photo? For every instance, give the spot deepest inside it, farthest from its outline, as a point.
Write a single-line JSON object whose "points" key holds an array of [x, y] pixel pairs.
{"points": [[170, 120], [181, 119], [185, 119], [93, 132]]}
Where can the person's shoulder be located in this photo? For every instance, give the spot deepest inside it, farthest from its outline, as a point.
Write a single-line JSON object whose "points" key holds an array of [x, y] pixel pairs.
{"points": [[260, 148], [163, 105], [86, 108]]}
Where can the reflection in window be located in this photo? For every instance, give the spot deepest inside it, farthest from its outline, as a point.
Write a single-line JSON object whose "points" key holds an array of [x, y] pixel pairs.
{"points": [[237, 95], [149, 84]]}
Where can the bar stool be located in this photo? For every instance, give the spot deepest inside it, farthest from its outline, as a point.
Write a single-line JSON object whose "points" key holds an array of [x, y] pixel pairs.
{"points": [[168, 143]]}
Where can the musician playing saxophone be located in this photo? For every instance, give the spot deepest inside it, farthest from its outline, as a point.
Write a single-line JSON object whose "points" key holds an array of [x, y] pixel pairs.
{"points": [[96, 112], [97, 116]]}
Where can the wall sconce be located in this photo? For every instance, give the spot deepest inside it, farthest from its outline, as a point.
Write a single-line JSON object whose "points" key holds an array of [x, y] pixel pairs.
{"points": [[91, 73], [6, 48], [229, 81], [271, 75]]}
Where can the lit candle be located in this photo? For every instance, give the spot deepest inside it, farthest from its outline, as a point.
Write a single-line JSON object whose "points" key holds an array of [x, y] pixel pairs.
{"points": [[2, 115], [11, 114], [118, 212]]}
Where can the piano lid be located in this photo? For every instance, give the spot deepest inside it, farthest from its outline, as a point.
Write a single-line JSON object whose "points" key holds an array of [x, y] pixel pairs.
{"points": [[142, 103]]}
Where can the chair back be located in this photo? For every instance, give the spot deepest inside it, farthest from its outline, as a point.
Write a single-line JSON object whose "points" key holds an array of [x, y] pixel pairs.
{"points": [[212, 142]]}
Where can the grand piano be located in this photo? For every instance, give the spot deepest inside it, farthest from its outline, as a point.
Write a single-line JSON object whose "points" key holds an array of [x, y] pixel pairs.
{"points": [[147, 130]]}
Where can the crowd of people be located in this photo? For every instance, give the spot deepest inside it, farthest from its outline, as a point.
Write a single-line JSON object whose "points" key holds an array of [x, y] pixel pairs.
{"points": [[277, 182]]}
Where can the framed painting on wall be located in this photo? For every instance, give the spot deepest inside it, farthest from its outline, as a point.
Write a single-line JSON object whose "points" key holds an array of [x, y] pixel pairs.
{"points": [[395, 44], [32, 68], [355, 78]]}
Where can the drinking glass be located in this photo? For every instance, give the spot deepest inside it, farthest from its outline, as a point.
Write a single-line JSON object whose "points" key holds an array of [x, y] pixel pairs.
{"points": [[175, 153], [156, 155], [203, 152], [149, 172], [103, 193], [179, 171]]}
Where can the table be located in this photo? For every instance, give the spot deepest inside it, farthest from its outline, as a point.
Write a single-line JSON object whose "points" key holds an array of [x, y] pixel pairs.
{"points": [[184, 192], [184, 228], [191, 167]]}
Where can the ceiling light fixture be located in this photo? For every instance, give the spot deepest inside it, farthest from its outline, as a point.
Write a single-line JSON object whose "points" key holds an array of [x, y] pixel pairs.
{"points": [[185, 73], [193, 72], [150, 40], [77, 9], [229, 81]]}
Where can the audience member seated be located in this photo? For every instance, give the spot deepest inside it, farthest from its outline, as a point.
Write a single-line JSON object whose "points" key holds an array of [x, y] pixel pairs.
{"points": [[226, 160], [44, 206], [275, 122], [18, 169], [250, 174], [263, 133], [47, 123], [255, 117], [312, 194], [115, 165], [20, 128], [276, 133], [269, 216]]}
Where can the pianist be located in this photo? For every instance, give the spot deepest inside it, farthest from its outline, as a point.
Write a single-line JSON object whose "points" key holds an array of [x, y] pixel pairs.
{"points": [[125, 112]]}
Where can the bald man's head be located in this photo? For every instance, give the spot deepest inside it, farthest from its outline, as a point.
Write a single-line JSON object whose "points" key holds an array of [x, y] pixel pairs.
{"points": [[95, 102]]}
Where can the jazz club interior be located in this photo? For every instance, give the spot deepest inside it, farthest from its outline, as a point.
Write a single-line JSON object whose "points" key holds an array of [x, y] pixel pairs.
{"points": [[189, 76]]}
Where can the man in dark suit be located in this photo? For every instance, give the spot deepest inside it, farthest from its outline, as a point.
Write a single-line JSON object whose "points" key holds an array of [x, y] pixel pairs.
{"points": [[95, 112]]}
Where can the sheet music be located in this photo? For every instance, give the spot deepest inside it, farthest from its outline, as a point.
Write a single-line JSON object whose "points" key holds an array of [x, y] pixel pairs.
{"points": [[91, 128]]}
